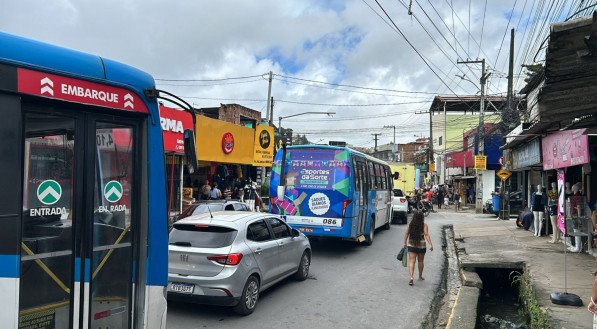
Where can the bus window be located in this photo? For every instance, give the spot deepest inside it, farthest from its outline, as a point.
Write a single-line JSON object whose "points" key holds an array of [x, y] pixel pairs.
{"points": [[372, 180]]}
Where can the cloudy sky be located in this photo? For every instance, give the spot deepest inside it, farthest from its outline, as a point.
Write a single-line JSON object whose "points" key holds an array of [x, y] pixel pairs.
{"points": [[346, 57]]}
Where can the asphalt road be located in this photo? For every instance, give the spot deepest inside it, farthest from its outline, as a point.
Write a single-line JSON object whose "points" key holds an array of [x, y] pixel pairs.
{"points": [[350, 286]]}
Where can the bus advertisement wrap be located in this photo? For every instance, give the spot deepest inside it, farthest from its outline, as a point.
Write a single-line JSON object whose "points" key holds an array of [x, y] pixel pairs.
{"points": [[317, 183]]}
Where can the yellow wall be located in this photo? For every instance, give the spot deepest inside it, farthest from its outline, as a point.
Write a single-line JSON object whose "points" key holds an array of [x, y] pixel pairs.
{"points": [[407, 176], [451, 128], [209, 141]]}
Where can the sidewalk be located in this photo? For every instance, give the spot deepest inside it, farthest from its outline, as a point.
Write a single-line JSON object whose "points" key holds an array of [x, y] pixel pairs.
{"points": [[487, 240]]}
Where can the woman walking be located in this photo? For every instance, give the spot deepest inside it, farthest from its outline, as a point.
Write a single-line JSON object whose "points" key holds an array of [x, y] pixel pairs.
{"points": [[416, 239]]}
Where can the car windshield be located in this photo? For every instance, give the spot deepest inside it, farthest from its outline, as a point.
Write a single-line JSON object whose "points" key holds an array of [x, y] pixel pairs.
{"points": [[202, 236], [202, 208], [398, 193]]}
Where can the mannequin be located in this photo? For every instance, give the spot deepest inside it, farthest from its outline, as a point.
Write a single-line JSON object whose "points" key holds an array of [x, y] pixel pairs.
{"points": [[553, 212], [538, 203], [568, 191]]}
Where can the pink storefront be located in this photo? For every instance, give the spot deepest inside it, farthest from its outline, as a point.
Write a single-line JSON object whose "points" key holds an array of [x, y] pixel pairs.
{"points": [[567, 159]]}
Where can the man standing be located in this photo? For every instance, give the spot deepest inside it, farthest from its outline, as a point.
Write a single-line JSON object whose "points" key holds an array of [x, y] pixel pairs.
{"points": [[440, 196], [205, 190]]}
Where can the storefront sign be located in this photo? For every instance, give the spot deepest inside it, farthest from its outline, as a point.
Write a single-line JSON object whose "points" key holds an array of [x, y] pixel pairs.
{"points": [[78, 91], [565, 149], [210, 137], [174, 122], [227, 143], [480, 162], [264, 146], [527, 155]]}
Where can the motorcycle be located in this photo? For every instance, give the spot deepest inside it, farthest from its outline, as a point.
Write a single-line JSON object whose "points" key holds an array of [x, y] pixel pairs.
{"points": [[423, 205]]}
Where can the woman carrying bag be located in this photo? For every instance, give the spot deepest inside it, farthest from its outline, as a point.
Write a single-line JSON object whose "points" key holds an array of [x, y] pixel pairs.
{"points": [[415, 240]]}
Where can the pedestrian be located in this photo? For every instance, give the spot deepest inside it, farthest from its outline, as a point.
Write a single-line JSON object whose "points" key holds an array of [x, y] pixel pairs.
{"points": [[205, 190], [415, 240], [215, 192], [227, 193], [592, 305], [440, 197], [457, 199]]}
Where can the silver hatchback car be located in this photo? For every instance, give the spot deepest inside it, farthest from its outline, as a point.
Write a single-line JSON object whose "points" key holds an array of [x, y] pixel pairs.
{"points": [[228, 258]]}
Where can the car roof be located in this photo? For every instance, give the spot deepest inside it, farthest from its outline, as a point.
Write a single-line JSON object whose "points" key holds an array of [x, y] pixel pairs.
{"points": [[234, 219]]}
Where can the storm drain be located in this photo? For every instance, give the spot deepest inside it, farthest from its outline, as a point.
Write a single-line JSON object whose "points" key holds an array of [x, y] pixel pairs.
{"points": [[499, 303]]}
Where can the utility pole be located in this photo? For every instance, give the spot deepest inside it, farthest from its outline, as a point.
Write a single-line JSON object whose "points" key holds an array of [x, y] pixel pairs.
{"points": [[392, 126], [505, 197], [484, 76], [394, 145], [510, 72], [375, 139], [268, 115]]}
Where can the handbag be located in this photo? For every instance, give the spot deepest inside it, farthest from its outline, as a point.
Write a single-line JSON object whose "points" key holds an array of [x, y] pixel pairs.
{"points": [[401, 254]]}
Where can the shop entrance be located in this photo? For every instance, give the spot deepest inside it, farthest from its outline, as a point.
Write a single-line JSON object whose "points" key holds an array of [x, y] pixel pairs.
{"points": [[78, 254]]}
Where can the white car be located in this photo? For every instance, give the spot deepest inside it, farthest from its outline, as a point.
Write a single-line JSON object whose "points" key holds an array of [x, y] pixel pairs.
{"points": [[399, 207]]}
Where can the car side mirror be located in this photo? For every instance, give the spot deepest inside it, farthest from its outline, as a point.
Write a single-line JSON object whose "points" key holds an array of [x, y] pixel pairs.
{"points": [[189, 150], [295, 233]]}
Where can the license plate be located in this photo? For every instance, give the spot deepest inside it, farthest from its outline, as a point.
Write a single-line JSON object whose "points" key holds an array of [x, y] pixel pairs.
{"points": [[185, 288], [306, 229]]}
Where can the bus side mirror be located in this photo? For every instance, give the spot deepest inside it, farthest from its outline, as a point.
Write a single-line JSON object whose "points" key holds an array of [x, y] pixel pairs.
{"points": [[396, 175], [189, 150]]}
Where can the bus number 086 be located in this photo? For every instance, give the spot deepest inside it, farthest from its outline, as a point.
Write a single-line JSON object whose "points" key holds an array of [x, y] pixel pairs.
{"points": [[329, 221]]}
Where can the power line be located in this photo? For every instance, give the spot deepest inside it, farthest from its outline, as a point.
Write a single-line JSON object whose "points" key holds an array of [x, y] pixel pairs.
{"points": [[482, 28], [354, 86], [211, 80]]}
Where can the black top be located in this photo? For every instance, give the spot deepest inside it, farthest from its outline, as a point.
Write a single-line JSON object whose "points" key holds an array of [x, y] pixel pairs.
{"points": [[538, 203]]}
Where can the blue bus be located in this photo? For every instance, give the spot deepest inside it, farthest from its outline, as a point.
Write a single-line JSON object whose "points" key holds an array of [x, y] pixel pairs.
{"points": [[84, 237], [331, 191]]}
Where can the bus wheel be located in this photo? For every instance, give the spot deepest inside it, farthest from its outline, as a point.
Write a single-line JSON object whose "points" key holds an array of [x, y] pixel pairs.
{"points": [[369, 238]]}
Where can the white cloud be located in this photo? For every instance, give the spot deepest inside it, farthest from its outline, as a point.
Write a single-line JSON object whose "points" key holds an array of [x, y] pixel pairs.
{"points": [[340, 42]]}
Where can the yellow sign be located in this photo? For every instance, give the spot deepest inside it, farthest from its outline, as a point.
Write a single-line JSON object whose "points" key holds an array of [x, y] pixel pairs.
{"points": [[264, 146], [480, 162], [432, 167], [504, 174], [220, 141]]}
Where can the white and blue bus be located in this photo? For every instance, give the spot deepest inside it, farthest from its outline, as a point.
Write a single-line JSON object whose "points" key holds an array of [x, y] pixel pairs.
{"points": [[330, 191], [84, 237]]}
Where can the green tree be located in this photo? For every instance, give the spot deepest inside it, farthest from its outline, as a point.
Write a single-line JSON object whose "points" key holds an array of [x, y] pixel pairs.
{"points": [[532, 70]]}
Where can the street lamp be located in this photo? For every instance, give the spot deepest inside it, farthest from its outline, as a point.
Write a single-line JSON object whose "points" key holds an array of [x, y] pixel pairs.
{"points": [[303, 113]]}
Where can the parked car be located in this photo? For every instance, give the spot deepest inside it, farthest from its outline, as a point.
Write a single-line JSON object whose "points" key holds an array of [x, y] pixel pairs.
{"points": [[206, 206], [399, 207], [228, 259]]}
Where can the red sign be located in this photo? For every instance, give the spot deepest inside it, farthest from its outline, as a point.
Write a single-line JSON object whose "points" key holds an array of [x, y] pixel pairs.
{"points": [[565, 149], [174, 122], [227, 143], [78, 91]]}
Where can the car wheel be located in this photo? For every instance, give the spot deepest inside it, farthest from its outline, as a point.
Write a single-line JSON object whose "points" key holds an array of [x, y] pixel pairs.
{"points": [[369, 238], [303, 270], [248, 300]]}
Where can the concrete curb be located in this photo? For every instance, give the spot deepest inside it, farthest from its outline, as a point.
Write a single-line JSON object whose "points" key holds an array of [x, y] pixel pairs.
{"points": [[463, 313], [437, 301]]}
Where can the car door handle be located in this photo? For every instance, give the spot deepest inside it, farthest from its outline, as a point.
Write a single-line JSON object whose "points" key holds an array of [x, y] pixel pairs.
{"points": [[258, 251], [281, 244]]}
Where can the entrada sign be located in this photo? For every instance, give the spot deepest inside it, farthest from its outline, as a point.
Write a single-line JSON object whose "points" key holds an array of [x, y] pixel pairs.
{"points": [[79, 91]]}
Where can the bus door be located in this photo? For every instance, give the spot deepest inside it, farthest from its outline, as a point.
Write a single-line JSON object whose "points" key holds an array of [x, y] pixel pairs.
{"points": [[78, 230], [362, 175]]}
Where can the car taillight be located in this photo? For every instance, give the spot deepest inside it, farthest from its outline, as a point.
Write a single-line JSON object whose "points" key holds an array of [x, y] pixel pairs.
{"points": [[402, 199], [230, 259], [345, 204]]}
